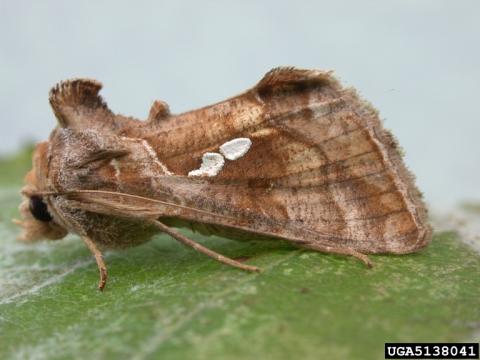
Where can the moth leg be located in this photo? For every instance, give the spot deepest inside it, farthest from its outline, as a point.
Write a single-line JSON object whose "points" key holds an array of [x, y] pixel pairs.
{"points": [[342, 251], [99, 259], [186, 241]]}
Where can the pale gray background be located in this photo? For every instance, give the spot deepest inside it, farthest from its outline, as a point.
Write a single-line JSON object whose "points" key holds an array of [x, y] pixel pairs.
{"points": [[418, 62]]}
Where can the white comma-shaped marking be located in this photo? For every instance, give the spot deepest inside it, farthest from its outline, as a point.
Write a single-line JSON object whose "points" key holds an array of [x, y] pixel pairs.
{"points": [[236, 148], [212, 163]]}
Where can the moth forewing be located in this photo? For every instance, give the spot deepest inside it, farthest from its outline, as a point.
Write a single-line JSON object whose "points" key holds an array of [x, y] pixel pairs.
{"points": [[296, 157]]}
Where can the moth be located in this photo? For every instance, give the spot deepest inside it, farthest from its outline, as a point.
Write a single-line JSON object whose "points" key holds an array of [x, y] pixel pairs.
{"points": [[296, 157]]}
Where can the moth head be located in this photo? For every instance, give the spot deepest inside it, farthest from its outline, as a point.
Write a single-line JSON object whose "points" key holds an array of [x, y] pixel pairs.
{"points": [[38, 218]]}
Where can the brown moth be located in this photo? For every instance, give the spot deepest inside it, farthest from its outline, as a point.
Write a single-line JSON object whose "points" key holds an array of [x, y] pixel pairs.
{"points": [[296, 157]]}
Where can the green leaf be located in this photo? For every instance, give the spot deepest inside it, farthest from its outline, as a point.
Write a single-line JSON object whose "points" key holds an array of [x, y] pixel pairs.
{"points": [[166, 301]]}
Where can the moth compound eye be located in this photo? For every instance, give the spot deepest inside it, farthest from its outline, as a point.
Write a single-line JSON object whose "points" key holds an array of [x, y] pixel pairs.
{"points": [[39, 209]]}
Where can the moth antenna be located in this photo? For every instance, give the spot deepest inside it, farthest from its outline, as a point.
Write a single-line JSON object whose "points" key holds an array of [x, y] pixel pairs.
{"points": [[202, 249], [42, 193], [138, 197], [318, 243]]}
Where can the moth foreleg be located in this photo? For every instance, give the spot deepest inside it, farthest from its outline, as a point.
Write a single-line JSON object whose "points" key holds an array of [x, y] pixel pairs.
{"points": [[342, 251], [186, 241], [102, 268]]}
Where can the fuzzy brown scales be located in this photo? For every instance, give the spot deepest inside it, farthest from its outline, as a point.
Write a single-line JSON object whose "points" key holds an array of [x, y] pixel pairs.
{"points": [[320, 171]]}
